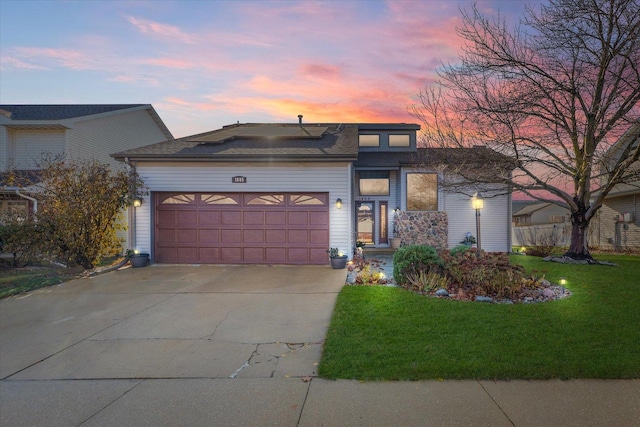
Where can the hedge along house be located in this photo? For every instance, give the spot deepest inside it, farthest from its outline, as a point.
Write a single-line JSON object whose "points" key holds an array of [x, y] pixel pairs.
{"points": [[285, 193]]}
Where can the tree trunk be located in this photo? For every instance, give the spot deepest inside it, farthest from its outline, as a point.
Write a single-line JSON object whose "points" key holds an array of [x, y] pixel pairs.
{"points": [[578, 248]]}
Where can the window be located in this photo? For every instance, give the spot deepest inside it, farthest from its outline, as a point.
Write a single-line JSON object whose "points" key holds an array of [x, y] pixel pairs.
{"points": [[218, 199], [373, 183], [15, 209], [369, 140], [399, 141], [304, 199], [265, 199], [422, 192], [180, 199]]}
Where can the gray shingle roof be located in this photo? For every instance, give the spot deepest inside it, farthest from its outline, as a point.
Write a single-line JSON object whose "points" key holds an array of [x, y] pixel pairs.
{"points": [[60, 112], [330, 142]]}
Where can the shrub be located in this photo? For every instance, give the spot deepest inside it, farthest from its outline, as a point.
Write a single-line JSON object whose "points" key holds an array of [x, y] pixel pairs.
{"points": [[492, 274], [23, 239], [460, 249], [426, 281], [411, 259]]}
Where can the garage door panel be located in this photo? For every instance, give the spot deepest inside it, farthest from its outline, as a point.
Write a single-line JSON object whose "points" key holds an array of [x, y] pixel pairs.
{"points": [[319, 218], [253, 236], [186, 218], [275, 236], [298, 218], [187, 255], [165, 217], [231, 255], [253, 255], [231, 236], [297, 255], [276, 255], [186, 235], [253, 218], [320, 237], [167, 236], [208, 218], [208, 236], [233, 217], [318, 256], [259, 228], [208, 255], [275, 218], [298, 236]]}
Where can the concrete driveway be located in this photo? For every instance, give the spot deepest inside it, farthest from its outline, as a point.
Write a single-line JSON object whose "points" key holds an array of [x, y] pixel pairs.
{"points": [[237, 346]]}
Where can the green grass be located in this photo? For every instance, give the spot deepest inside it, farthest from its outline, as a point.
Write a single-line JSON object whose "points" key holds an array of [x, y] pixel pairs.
{"points": [[381, 333], [16, 281]]}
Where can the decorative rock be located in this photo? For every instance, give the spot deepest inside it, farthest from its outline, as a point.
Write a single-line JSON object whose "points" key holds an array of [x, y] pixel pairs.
{"points": [[442, 293], [481, 298], [548, 293], [423, 228]]}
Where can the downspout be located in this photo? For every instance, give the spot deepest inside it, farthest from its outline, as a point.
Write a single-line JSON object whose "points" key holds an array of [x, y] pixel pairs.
{"points": [[24, 196], [132, 214]]}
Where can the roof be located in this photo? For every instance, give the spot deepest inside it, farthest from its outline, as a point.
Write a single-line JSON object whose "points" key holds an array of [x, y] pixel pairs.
{"points": [[60, 111], [430, 157], [48, 116], [257, 142], [531, 209]]}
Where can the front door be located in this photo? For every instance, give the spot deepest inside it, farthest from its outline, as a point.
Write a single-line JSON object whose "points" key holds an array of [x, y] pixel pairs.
{"points": [[365, 222]]}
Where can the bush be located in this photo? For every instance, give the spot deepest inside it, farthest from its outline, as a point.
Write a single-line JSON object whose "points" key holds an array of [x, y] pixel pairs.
{"points": [[492, 274], [460, 249], [23, 239], [412, 259]]}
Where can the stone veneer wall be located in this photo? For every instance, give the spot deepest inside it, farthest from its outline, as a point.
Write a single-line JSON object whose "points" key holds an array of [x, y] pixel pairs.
{"points": [[422, 227]]}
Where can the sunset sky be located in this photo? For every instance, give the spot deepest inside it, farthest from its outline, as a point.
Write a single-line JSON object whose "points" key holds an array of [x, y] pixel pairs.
{"points": [[204, 64]]}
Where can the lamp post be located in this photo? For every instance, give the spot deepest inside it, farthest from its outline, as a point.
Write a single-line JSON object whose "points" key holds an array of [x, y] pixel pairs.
{"points": [[477, 202]]}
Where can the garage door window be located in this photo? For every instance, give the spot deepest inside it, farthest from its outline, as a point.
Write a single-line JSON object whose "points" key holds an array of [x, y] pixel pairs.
{"points": [[180, 199], [267, 199], [219, 199], [304, 199]]}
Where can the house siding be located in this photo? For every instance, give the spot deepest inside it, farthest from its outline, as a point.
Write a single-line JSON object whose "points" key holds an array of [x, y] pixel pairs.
{"points": [[26, 147], [3, 148], [620, 235], [100, 137], [331, 178]]}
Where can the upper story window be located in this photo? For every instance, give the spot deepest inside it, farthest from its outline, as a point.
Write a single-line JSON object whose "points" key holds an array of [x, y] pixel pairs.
{"points": [[399, 141], [373, 183], [422, 192], [369, 140]]}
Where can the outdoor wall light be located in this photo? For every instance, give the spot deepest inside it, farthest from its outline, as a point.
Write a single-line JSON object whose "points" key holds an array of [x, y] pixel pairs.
{"points": [[137, 202], [477, 202], [338, 203]]}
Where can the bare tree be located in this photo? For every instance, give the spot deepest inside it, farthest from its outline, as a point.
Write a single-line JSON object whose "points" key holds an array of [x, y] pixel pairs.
{"points": [[554, 94]]}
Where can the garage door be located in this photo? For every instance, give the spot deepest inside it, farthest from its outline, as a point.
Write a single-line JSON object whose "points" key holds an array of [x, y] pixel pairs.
{"points": [[241, 228]]}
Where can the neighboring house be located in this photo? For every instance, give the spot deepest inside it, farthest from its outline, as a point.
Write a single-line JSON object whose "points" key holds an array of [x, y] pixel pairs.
{"points": [[541, 213], [285, 193], [27, 132], [618, 222], [541, 223]]}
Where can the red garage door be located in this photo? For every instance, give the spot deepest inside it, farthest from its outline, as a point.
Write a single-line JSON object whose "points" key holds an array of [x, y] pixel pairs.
{"points": [[241, 228]]}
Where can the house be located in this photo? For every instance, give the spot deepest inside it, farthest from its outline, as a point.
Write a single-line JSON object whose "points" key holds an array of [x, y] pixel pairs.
{"points": [[541, 223], [618, 221], [284, 193], [77, 131], [541, 213]]}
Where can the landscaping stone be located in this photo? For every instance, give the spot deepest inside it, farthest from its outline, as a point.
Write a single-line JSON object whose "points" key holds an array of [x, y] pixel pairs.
{"points": [[442, 293], [481, 298]]}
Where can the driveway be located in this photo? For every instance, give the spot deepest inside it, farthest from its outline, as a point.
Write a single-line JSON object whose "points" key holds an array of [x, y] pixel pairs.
{"points": [[172, 322]]}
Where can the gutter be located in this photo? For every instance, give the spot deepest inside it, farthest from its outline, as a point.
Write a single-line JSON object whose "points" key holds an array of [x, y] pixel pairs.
{"points": [[24, 196]]}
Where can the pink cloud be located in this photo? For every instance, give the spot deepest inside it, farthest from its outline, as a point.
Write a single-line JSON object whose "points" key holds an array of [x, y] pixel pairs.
{"points": [[163, 31], [320, 71], [169, 63], [10, 62]]}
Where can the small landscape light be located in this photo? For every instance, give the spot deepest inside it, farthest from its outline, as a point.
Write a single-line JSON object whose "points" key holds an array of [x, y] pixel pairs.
{"points": [[563, 281], [523, 249]]}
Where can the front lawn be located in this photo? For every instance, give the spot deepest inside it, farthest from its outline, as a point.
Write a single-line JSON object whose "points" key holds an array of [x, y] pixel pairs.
{"points": [[382, 333]]}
